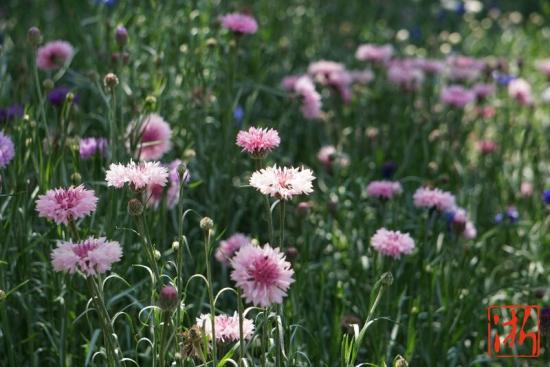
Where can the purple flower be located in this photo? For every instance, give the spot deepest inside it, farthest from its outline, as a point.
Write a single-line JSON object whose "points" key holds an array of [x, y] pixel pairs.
{"points": [[90, 146], [57, 96], [7, 150], [11, 113]]}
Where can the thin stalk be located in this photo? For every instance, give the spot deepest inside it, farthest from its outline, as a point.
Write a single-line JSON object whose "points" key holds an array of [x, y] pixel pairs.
{"points": [[163, 338], [241, 327], [210, 295], [264, 338]]}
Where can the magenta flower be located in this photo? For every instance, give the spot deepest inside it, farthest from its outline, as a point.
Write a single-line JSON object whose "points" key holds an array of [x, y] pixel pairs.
{"points": [[283, 183], [362, 76], [375, 53], [392, 243], [91, 256], [239, 23], [63, 205], [263, 274], [155, 192], [7, 150], [520, 90], [258, 142], [154, 137], [137, 175], [384, 189], [457, 96], [487, 146], [227, 327], [426, 197], [230, 246], [429, 66], [53, 55]]}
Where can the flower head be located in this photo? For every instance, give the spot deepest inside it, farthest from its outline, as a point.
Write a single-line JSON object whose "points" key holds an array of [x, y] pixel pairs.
{"points": [[153, 137], [520, 90], [263, 274], [65, 204], [7, 150], [311, 99], [227, 327], [464, 68], [283, 182], [384, 189], [375, 53], [155, 192], [426, 197], [392, 243], [230, 246], [91, 146], [546, 196], [53, 55], [137, 175], [257, 141], [487, 146], [405, 74], [239, 23], [457, 96], [91, 256], [329, 157]]}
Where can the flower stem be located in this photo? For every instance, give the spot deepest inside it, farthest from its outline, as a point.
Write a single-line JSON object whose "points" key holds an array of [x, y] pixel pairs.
{"points": [[210, 295], [241, 327]]}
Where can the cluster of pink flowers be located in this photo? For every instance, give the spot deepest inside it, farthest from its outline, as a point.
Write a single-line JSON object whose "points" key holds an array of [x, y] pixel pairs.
{"points": [[426, 197], [66, 204], [137, 175], [384, 189], [91, 256], [155, 192], [153, 135], [230, 246], [239, 23], [333, 74], [257, 141], [464, 68], [227, 327], [392, 243], [457, 96], [283, 182], [53, 55], [263, 274]]}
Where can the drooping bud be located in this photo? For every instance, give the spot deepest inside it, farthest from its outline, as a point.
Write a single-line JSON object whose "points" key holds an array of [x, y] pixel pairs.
{"points": [[135, 207], [304, 208], [168, 298]]}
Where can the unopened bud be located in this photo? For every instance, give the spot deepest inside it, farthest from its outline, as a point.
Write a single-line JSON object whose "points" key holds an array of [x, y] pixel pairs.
{"points": [[34, 36], [157, 255], [69, 97], [150, 103], [175, 246], [168, 298], [3, 295], [386, 279], [121, 36], [400, 362], [76, 178], [110, 81], [135, 207], [48, 84], [211, 42], [304, 208], [291, 253], [206, 224]]}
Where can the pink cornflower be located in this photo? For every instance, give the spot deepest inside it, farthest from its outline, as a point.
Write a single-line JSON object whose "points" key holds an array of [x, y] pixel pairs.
{"points": [[405, 75], [426, 197], [311, 99], [230, 246], [362, 76], [289, 82], [7, 150], [526, 189], [53, 55], [520, 90], [392, 243], [321, 70], [483, 90], [543, 66], [91, 256], [153, 137], [384, 189], [375, 53], [429, 66], [263, 274], [155, 192], [487, 146], [464, 68], [227, 327], [137, 175], [457, 96], [239, 23], [257, 141], [329, 157], [461, 224], [283, 182], [63, 205], [333, 74], [90, 146]]}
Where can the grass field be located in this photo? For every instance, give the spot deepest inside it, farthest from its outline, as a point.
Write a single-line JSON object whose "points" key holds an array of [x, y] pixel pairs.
{"points": [[414, 194]]}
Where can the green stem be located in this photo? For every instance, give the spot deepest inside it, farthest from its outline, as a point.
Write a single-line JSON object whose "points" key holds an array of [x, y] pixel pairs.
{"points": [[241, 327], [210, 295]]}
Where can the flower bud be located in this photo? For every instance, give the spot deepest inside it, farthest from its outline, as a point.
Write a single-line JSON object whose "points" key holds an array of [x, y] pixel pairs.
{"points": [[150, 103], [69, 97], [48, 84], [168, 298], [76, 178], [386, 279], [399, 361], [110, 81], [135, 207], [206, 224], [211, 42], [121, 36], [291, 253], [304, 208], [157, 255], [34, 36], [3, 295], [175, 246]]}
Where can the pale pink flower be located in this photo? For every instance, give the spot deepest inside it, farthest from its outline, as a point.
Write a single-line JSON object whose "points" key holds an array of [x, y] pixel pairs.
{"points": [[321, 70], [483, 90], [227, 327], [257, 141], [543, 66], [230, 246], [311, 99], [520, 90], [91, 256], [470, 231], [426, 197], [239, 23], [464, 68], [137, 175], [65, 204], [7, 150], [375, 53], [263, 274], [283, 182], [429, 66], [333, 74], [362, 76], [53, 55], [153, 135], [487, 146], [457, 96], [462, 224], [329, 156], [392, 243], [526, 189], [384, 189], [404, 74], [289, 82]]}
